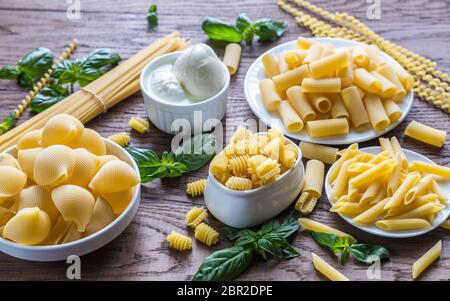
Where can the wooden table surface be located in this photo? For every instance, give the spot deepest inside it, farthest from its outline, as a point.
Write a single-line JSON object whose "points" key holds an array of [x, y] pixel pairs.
{"points": [[140, 252]]}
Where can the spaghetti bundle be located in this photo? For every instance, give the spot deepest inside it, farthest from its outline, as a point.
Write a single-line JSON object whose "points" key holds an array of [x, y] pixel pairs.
{"points": [[101, 94]]}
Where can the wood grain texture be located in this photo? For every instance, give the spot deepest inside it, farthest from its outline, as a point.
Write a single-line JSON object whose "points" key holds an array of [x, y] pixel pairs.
{"points": [[140, 252]]}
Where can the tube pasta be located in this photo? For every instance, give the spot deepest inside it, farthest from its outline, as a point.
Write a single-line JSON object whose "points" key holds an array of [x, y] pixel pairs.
{"points": [[314, 53], [300, 103], [329, 64], [399, 194], [290, 78], [270, 65], [421, 186], [373, 173], [392, 110], [315, 226], [366, 81], [430, 168], [324, 85], [426, 133], [338, 108], [374, 54], [304, 43], [325, 154], [360, 57], [399, 152], [426, 259], [388, 89], [282, 65], [320, 102], [355, 106], [269, 95], [323, 267], [375, 110], [347, 154], [329, 127], [291, 120], [389, 73], [371, 214], [312, 188], [232, 57], [402, 224], [421, 211], [405, 78]]}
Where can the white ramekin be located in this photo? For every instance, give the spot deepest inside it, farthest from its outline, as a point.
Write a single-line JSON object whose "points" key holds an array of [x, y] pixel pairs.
{"points": [[87, 244], [244, 209], [162, 114]]}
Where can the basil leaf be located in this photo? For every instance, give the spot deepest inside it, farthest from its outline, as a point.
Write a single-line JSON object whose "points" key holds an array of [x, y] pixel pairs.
{"points": [[285, 227], [365, 253], [248, 36], [101, 58], [277, 245], [36, 62], [325, 239], [220, 30], [152, 16], [231, 233], [8, 123], [88, 75], [67, 71], [243, 22], [343, 258], [268, 29], [25, 81], [47, 97], [197, 151], [246, 237], [9, 72], [224, 264]]}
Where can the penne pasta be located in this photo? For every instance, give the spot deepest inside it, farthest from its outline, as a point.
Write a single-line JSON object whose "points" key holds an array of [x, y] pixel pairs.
{"points": [[350, 209], [426, 259], [329, 127], [430, 168], [291, 120], [348, 153], [311, 225], [341, 183], [319, 152], [371, 192], [402, 224], [436, 188], [399, 152], [405, 186], [373, 173], [421, 211], [355, 106], [386, 146], [426, 133], [300, 103], [371, 214], [418, 189], [327, 270]]}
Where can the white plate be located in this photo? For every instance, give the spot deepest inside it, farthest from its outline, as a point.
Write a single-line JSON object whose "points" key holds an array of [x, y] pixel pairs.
{"points": [[256, 73], [411, 156]]}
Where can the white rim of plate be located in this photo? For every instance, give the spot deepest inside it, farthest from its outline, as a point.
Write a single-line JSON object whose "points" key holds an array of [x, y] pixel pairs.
{"points": [[440, 218], [362, 136]]}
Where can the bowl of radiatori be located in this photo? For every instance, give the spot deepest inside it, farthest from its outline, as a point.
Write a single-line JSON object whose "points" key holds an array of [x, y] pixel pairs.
{"points": [[64, 190]]}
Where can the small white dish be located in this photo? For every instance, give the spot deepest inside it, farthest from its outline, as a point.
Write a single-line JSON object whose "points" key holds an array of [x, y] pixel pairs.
{"points": [[244, 209], [440, 218], [85, 245], [163, 114], [256, 73]]}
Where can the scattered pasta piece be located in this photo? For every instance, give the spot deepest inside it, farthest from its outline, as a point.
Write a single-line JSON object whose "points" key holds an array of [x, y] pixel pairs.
{"points": [[232, 57], [195, 216], [196, 188], [426, 133], [426, 259], [326, 269], [206, 234], [139, 124], [312, 225], [122, 138], [179, 241], [312, 188], [446, 224], [319, 152]]}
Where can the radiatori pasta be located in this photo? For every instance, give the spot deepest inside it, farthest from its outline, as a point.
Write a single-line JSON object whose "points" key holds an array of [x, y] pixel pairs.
{"points": [[64, 184], [320, 82], [253, 160], [385, 190]]}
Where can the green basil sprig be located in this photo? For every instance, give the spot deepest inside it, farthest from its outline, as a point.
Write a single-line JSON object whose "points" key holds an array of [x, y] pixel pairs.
{"points": [[341, 246], [244, 29], [8, 123], [29, 68], [271, 238], [191, 155], [48, 96], [152, 17]]}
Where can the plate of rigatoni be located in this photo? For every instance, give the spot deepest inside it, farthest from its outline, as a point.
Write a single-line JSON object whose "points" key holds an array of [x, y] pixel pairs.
{"points": [[389, 191], [329, 91]]}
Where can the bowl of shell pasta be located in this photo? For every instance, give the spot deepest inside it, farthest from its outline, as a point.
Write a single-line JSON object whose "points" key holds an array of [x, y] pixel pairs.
{"points": [[64, 190]]}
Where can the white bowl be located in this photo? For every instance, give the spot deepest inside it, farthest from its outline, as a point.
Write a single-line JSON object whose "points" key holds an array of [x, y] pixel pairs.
{"points": [[87, 244], [244, 209], [256, 73], [162, 114], [440, 217]]}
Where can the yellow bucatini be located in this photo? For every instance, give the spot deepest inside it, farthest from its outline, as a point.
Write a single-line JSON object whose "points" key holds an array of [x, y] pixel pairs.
{"points": [[122, 138], [120, 200], [30, 140], [54, 165], [114, 176], [40, 197], [195, 216], [196, 188], [75, 204], [60, 129], [12, 180], [9, 160], [29, 227], [179, 241], [86, 165], [91, 141], [206, 234], [27, 159], [102, 216]]}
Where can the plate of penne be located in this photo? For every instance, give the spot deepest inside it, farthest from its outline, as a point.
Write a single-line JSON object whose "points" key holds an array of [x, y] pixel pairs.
{"points": [[389, 191], [328, 90]]}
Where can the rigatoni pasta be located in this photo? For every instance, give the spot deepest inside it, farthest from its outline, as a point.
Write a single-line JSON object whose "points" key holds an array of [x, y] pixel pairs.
{"points": [[426, 133], [329, 127], [325, 154], [232, 57]]}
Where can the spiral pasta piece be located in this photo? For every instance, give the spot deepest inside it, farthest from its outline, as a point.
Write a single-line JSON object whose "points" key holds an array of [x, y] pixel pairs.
{"points": [[30, 140], [253, 162], [238, 183], [238, 164], [240, 134], [29, 227], [54, 165], [114, 176], [195, 216], [179, 241], [122, 138], [206, 234], [91, 141], [60, 129], [196, 188], [139, 124]]}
